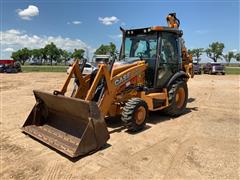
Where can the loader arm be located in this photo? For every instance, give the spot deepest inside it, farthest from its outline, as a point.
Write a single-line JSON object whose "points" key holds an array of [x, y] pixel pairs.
{"points": [[83, 82], [113, 84], [116, 82]]}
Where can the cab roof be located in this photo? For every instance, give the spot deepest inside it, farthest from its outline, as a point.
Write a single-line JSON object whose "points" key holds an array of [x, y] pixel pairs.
{"points": [[152, 29]]}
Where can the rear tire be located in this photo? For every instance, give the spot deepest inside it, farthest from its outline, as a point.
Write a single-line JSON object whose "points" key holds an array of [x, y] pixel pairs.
{"points": [[178, 96], [134, 114]]}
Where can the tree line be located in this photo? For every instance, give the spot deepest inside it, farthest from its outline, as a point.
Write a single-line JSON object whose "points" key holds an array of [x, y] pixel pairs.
{"points": [[214, 52], [51, 54], [47, 55]]}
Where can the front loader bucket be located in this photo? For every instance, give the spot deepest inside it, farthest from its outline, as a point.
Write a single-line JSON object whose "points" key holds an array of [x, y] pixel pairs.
{"points": [[70, 125]]}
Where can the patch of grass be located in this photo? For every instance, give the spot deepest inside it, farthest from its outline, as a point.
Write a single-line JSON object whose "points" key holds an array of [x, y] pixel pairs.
{"points": [[29, 68], [232, 70], [44, 68]]}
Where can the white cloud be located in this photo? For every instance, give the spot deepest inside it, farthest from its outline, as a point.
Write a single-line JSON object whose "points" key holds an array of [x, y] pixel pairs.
{"points": [[14, 31], [108, 20], [77, 22], [28, 13], [8, 50], [234, 50], [15, 39]]}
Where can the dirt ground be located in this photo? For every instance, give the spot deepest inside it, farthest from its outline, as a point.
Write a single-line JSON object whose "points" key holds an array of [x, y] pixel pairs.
{"points": [[201, 144]]}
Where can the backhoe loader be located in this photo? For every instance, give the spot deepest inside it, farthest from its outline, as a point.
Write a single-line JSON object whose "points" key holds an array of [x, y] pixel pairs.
{"points": [[151, 75]]}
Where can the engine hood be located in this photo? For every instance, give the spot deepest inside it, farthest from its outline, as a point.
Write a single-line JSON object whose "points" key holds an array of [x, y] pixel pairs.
{"points": [[125, 61]]}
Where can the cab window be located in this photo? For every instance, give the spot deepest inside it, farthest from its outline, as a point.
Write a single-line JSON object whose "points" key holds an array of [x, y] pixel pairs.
{"points": [[169, 48]]}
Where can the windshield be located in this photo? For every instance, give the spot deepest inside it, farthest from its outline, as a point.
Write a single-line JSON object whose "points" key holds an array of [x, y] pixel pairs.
{"points": [[101, 59], [141, 46]]}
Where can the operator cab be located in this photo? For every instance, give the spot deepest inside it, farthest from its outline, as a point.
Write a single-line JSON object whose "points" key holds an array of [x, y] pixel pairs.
{"points": [[159, 47]]}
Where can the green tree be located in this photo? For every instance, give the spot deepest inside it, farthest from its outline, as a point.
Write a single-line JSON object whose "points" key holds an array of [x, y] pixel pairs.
{"points": [[196, 53], [229, 56], [215, 51], [44, 55], [103, 49], [52, 53], [112, 48], [78, 54], [38, 55], [65, 56], [22, 55], [237, 56], [106, 49], [16, 55]]}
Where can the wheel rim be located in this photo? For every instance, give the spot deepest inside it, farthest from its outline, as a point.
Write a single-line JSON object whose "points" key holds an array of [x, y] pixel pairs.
{"points": [[180, 97], [140, 115]]}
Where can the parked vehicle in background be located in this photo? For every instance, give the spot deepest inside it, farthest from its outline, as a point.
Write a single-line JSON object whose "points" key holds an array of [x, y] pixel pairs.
{"points": [[2, 68], [101, 59], [88, 68], [214, 68], [197, 69], [10, 66]]}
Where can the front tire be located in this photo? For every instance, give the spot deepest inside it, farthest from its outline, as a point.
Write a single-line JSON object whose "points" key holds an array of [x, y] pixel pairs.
{"points": [[178, 96], [134, 114]]}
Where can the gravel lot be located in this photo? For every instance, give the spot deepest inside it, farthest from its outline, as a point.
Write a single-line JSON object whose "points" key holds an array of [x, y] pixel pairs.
{"points": [[201, 144]]}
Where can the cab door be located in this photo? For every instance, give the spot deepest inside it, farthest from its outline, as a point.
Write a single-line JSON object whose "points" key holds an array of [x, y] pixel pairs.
{"points": [[168, 58]]}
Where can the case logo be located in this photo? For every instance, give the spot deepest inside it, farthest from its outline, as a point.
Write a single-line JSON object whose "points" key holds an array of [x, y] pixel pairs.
{"points": [[125, 77]]}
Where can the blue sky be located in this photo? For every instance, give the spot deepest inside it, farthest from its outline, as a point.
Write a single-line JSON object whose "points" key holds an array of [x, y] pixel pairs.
{"points": [[76, 24]]}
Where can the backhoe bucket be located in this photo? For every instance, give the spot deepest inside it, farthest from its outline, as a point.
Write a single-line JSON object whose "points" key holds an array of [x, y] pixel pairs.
{"points": [[70, 125]]}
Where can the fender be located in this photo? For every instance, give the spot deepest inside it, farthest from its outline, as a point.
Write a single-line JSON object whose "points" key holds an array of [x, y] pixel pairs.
{"points": [[180, 74]]}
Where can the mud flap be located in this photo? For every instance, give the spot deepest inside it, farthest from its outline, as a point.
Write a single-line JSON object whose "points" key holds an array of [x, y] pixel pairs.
{"points": [[70, 125]]}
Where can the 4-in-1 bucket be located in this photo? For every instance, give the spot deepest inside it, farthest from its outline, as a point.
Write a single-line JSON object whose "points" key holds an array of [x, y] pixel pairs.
{"points": [[70, 125]]}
